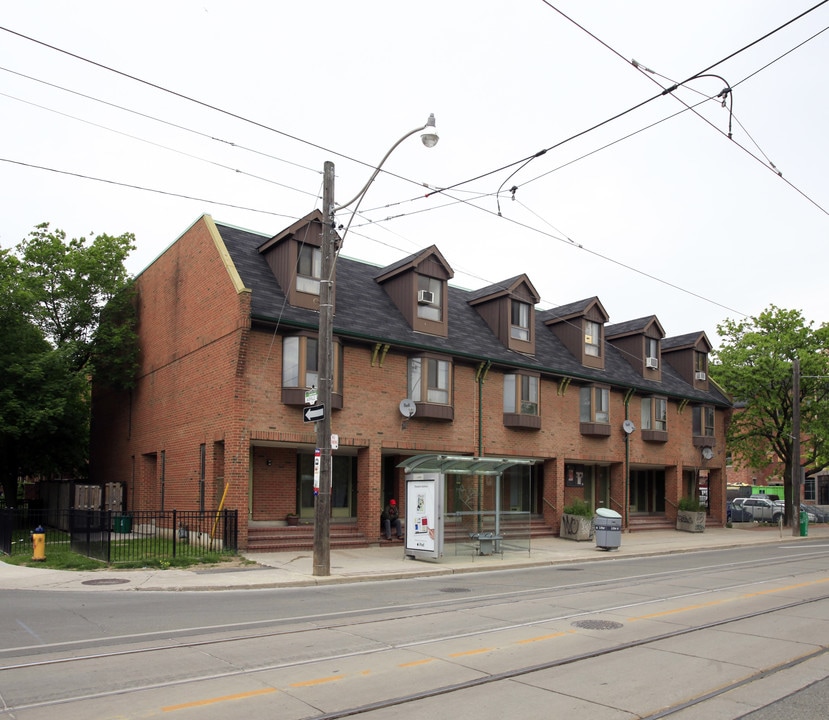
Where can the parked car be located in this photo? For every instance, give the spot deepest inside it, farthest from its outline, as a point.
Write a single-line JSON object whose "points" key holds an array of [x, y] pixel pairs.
{"points": [[761, 508], [816, 514], [738, 513]]}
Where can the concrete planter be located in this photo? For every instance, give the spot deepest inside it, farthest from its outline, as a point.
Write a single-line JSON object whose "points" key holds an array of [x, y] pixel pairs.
{"points": [[690, 521], [576, 527]]}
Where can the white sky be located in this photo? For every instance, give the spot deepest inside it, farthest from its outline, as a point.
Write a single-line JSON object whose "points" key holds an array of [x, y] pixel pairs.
{"points": [[676, 220]]}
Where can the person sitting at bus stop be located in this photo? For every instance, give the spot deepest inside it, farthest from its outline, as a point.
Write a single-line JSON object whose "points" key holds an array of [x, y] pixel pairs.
{"points": [[390, 517]]}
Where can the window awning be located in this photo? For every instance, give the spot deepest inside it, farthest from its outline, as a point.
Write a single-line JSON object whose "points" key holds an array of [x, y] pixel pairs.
{"points": [[461, 464]]}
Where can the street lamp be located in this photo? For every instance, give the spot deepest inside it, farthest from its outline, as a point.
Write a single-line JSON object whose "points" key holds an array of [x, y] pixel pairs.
{"points": [[322, 509]]}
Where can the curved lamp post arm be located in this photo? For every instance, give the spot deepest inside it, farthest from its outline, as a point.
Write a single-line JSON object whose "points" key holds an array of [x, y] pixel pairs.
{"points": [[430, 139]]}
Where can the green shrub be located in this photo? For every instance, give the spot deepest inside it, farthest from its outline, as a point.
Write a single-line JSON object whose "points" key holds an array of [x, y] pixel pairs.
{"points": [[579, 507], [690, 504]]}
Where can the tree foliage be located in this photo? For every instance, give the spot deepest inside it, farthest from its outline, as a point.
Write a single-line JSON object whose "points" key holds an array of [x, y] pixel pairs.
{"points": [[755, 366], [66, 315]]}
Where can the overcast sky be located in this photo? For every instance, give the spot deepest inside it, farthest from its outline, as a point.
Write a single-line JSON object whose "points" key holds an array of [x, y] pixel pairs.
{"points": [[140, 117]]}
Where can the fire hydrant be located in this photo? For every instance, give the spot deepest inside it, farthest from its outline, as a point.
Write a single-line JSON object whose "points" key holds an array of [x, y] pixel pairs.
{"points": [[38, 543]]}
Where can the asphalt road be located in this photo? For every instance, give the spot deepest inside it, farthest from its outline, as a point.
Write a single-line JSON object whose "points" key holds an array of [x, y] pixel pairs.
{"points": [[720, 634]]}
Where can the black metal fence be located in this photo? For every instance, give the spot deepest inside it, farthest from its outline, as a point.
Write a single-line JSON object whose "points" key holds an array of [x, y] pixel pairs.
{"points": [[123, 537]]}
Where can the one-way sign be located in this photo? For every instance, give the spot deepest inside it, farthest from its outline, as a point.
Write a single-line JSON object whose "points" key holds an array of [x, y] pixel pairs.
{"points": [[315, 413]]}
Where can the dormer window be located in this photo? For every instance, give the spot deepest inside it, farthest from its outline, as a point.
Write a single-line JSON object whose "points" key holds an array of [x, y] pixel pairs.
{"points": [[520, 321], [652, 353], [429, 298], [592, 338], [700, 366], [308, 269]]}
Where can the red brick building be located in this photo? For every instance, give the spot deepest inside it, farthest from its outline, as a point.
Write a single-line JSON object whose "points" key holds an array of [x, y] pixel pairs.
{"points": [[617, 414]]}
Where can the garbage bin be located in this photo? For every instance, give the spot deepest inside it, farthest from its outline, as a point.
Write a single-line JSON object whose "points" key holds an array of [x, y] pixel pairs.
{"points": [[804, 523], [122, 524], [608, 528]]}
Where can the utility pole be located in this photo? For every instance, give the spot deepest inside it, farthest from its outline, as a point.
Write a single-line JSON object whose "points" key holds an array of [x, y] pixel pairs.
{"points": [[325, 343], [796, 472]]}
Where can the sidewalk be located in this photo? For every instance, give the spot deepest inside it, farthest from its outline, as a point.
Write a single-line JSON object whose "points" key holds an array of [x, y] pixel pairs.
{"points": [[388, 562]]}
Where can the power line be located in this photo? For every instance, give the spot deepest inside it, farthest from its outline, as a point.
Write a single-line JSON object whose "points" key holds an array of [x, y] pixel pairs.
{"points": [[145, 189]]}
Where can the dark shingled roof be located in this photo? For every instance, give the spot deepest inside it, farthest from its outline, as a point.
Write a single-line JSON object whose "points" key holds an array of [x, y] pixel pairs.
{"points": [[364, 312]]}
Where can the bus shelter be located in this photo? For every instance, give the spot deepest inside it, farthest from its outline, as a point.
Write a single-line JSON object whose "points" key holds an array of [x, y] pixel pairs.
{"points": [[454, 503]]}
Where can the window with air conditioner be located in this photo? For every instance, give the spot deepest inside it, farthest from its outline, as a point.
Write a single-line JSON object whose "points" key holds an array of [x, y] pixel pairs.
{"points": [[429, 298], [652, 353], [700, 366]]}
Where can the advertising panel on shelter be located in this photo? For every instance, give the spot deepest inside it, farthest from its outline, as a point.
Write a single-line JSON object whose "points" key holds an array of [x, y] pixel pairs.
{"points": [[424, 515]]}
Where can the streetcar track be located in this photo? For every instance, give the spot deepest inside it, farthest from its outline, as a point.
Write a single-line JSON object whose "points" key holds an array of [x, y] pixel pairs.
{"points": [[385, 647], [435, 605], [486, 679], [460, 605]]}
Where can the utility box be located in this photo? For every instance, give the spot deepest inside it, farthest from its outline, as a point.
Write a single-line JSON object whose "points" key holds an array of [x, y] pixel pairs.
{"points": [[804, 523], [607, 528]]}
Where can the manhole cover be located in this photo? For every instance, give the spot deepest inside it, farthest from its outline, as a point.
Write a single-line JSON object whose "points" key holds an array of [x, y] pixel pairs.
{"points": [[598, 624], [454, 590], [105, 581]]}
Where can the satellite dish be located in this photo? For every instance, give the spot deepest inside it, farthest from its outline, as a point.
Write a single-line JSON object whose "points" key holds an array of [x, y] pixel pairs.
{"points": [[628, 426], [707, 453], [407, 408]]}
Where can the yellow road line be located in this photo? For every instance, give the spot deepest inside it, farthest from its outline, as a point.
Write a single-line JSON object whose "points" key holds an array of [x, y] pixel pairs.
{"points": [[223, 698], [543, 637], [471, 652], [744, 596], [317, 681]]}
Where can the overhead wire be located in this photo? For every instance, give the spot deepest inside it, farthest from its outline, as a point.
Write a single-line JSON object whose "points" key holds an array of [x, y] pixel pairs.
{"points": [[523, 161], [156, 144], [156, 119], [143, 188]]}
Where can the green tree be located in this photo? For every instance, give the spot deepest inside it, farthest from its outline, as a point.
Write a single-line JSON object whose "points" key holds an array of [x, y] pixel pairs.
{"points": [[66, 316], [755, 366]]}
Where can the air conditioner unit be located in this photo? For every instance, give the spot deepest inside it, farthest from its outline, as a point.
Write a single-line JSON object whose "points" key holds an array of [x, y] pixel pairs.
{"points": [[699, 375], [652, 362], [425, 297]]}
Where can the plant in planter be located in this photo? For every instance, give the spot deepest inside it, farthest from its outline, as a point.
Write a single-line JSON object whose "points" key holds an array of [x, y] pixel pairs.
{"points": [[577, 521], [690, 516], [292, 519]]}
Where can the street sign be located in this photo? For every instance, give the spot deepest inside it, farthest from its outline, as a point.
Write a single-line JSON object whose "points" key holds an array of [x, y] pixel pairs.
{"points": [[315, 413]]}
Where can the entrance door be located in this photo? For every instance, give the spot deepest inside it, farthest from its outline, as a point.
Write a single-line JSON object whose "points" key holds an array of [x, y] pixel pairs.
{"points": [[342, 485], [647, 491]]}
